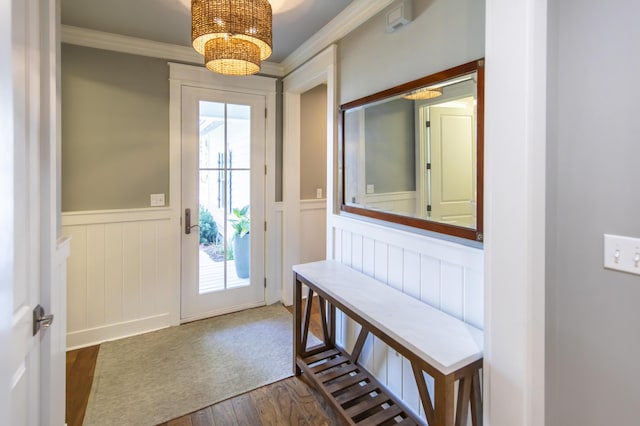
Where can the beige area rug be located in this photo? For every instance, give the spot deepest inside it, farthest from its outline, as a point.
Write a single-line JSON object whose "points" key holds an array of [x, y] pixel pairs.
{"points": [[158, 376]]}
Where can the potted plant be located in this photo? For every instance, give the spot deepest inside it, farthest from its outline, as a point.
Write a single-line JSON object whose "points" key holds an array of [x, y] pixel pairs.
{"points": [[241, 224]]}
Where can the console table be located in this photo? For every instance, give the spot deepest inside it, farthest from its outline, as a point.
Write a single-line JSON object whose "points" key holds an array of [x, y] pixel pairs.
{"points": [[435, 343]]}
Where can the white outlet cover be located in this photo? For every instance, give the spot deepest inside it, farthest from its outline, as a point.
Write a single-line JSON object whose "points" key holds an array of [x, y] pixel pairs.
{"points": [[370, 189], [157, 200], [622, 253]]}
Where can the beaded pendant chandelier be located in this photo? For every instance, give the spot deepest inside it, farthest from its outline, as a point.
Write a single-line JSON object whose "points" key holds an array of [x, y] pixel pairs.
{"points": [[234, 36]]}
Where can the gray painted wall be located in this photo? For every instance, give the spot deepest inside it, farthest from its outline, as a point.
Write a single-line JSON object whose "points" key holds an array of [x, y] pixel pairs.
{"points": [[115, 129], [444, 33], [593, 320], [313, 142], [390, 149]]}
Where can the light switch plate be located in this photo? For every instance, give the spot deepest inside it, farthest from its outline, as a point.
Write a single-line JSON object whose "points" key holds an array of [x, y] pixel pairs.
{"points": [[370, 189], [622, 253], [157, 200], [318, 193]]}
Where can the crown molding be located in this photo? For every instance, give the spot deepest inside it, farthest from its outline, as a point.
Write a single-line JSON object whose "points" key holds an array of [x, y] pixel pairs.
{"points": [[137, 46], [354, 15]]}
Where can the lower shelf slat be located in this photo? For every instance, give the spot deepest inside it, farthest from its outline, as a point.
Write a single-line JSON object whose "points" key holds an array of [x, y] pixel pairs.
{"points": [[356, 395]]}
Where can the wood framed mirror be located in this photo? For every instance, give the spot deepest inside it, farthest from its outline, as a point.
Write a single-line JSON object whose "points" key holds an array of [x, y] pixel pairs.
{"points": [[413, 154]]}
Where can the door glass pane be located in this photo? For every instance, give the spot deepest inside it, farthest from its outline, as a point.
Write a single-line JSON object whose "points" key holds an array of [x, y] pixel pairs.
{"points": [[224, 196], [239, 227], [212, 134], [239, 135]]}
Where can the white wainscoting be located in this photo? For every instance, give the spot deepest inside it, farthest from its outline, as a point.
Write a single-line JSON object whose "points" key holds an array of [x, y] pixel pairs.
{"points": [[398, 202], [445, 275], [123, 274], [313, 231]]}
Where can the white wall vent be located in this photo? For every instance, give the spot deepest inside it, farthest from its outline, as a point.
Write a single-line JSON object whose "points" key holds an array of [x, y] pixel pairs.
{"points": [[400, 15]]}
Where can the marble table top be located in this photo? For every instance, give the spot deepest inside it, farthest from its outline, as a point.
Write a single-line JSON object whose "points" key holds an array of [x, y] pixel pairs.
{"points": [[443, 341]]}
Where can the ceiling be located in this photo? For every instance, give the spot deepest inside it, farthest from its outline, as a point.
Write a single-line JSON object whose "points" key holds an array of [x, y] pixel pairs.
{"points": [[169, 21]]}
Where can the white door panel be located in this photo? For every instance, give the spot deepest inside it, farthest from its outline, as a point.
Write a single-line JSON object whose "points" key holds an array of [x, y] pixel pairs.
{"points": [[29, 88], [223, 157]]}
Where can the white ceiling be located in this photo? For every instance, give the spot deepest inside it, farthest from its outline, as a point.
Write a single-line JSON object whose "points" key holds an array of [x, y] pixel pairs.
{"points": [[169, 21]]}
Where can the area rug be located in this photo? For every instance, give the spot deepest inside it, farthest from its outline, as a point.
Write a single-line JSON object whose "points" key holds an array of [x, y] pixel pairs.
{"points": [[159, 376]]}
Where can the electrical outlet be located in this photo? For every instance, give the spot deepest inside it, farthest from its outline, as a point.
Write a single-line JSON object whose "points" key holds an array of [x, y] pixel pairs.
{"points": [[157, 200], [318, 192], [622, 253], [370, 189]]}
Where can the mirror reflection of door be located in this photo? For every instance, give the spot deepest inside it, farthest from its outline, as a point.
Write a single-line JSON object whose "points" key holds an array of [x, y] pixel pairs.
{"points": [[223, 187], [452, 162]]}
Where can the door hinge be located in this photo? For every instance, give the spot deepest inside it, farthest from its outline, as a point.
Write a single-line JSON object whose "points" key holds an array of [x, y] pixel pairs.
{"points": [[265, 226], [265, 113], [428, 123], [428, 207], [265, 169], [265, 282], [428, 166]]}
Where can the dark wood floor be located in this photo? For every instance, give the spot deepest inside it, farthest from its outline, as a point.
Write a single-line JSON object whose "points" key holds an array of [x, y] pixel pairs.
{"points": [[290, 401]]}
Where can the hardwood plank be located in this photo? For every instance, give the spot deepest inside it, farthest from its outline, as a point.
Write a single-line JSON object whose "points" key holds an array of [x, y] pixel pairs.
{"points": [[289, 409], [79, 381], [182, 421], [305, 401], [323, 404], [224, 414], [203, 417], [245, 410], [266, 406]]}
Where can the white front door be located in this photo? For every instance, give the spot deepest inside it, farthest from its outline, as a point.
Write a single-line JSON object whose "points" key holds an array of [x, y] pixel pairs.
{"points": [[28, 106], [223, 169]]}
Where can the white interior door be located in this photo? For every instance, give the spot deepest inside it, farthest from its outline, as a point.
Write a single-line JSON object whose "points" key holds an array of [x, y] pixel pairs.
{"points": [[29, 110], [453, 159], [223, 185]]}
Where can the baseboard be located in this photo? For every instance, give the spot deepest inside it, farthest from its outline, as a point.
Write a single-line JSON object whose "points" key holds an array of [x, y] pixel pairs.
{"points": [[95, 336]]}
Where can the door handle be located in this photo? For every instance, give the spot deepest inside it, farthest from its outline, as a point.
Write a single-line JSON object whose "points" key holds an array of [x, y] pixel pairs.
{"points": [[187, 222], [40, 320]]}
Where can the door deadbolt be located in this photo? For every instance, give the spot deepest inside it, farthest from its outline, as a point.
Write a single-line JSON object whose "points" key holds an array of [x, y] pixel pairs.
{"points": [[40, 320]]}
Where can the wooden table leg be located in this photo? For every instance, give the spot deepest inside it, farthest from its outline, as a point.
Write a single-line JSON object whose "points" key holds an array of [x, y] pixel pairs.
{"points": [[476, 399], [297, 323], [462, 407], [444, 401]]}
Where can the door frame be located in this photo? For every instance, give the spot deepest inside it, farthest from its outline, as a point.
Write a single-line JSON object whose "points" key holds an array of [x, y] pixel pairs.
{"points": [[321, 69], [181, 75]]}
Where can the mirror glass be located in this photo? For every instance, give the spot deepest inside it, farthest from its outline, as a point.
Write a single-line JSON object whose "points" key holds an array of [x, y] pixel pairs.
{"points": [[412, 154]]}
